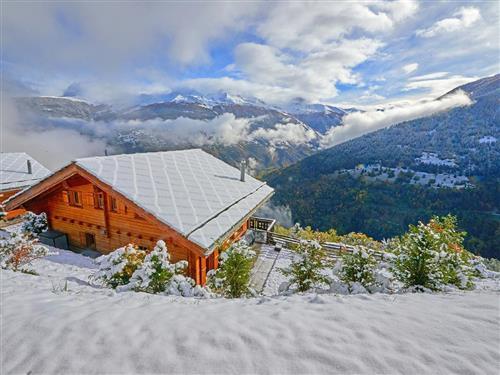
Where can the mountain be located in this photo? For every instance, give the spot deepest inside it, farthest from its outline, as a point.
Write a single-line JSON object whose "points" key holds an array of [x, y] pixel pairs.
{"points": [[320, 117], [229, 126], [383, 181]]}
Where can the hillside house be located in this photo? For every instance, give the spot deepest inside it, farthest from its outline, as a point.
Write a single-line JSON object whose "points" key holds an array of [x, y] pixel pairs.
{"points": [[195, 202], [18, 170]]}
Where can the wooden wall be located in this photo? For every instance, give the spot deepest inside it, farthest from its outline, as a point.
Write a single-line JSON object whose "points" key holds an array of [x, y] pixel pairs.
{"points": [[4, 195], [115, 229]]}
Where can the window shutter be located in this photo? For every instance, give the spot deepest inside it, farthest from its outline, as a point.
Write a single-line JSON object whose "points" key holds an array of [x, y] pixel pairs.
{"points": [[65, 196]]}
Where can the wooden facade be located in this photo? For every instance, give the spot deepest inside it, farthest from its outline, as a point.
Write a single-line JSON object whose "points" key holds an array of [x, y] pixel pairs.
{"points": [[6, 194], [95, 216]]}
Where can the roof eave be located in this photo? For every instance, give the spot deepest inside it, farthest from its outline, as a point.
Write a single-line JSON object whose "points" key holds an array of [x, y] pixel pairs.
{"points": [[210, 249]]}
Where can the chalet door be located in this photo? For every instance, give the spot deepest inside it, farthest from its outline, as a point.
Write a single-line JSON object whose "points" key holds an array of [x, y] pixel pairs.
{"points": [[90, 241]]}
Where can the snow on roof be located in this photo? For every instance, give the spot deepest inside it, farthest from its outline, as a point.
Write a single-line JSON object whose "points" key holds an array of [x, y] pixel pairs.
{"points": [[191, 191], [14, 171]]}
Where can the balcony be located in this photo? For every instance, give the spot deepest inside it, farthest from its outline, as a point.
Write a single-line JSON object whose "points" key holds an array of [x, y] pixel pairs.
{"points": [[261, 227]]}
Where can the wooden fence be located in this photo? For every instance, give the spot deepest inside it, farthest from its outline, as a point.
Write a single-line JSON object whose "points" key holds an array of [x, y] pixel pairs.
{"points": [[333, 249]]}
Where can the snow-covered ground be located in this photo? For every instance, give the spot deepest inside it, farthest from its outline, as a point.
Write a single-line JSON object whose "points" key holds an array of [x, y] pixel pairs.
{"points": [[433, 159], [59, 324], [376, 172]]}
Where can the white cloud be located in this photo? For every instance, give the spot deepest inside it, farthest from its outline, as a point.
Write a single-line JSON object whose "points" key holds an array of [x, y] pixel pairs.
{"points": [[438, 83], [109, 35], [225, 129], [465, 17], [313, 53], [359, 123], [53, 147], [285, 134], [277, 77], [410, 68], [308, 26]]}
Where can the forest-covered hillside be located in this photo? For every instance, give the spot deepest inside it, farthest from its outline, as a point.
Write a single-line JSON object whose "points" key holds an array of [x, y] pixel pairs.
{"points": [[464, 142]]}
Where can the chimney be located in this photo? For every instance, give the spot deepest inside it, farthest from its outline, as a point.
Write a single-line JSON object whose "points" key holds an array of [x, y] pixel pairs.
{"points": [[242, 170], [30, 169]]}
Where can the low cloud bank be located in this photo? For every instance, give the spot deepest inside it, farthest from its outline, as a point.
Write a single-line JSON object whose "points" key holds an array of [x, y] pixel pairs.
{"points": [[53, 147], [225, 129], [282, 214], [359, 123]]}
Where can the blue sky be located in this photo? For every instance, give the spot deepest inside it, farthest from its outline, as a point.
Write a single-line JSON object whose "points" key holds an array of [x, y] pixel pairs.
{"points": [[346, 53]]}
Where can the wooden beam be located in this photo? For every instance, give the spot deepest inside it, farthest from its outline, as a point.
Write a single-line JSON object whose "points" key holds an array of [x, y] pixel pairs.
{"points": [[106, 215], [40, 187]]}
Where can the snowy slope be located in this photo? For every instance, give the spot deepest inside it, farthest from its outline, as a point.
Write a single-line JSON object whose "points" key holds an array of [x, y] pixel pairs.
{"points": [[48, 328]]}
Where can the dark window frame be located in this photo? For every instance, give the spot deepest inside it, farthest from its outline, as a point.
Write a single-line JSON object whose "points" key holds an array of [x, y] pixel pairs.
{"points": [[99, 201], [75, 198], [113, 204]]}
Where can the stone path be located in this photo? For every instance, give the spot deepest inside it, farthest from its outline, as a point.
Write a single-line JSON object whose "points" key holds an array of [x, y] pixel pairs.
{"points": [[262, 267]]}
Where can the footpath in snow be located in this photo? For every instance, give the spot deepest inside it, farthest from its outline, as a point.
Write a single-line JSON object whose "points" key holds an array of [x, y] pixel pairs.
{"points": [[57, 323]]}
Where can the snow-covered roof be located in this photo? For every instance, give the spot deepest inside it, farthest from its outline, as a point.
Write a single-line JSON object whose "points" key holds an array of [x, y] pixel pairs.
{"points": [[14, 171], [191, 191]]}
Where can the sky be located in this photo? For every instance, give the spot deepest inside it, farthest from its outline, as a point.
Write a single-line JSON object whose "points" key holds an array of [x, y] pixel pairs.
{"points": [[390, 59], [344, 53]]}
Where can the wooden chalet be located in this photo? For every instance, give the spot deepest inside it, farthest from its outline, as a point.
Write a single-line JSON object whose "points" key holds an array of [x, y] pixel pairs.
{"points": [[195, 202], [18, 170]]}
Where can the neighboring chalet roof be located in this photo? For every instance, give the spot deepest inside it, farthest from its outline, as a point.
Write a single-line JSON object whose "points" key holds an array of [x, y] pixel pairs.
{"points": [[14, 171], [191, 191]]}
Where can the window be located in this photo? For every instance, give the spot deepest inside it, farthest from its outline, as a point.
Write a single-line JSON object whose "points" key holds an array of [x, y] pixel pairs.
{"points": [[113, 204], [75, 198], [99, 200]]}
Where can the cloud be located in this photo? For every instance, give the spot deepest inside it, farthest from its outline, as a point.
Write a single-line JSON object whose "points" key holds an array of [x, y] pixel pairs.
{"points": [[465, 17], [282, 214], [53, 147], [278, 77], [410, 68], [225, 129], [311, 55], [358, 123], [108, 35], [311, 26], [437, 83], [158, 133], [285, 134]]}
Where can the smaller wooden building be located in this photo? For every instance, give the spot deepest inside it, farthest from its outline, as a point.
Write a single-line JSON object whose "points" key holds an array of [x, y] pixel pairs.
{"points": [[195, 202], [18, 170]]}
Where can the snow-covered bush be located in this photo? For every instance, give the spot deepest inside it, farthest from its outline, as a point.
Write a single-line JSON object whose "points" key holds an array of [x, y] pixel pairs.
{"points": [[358, 267], [19, 250], [129, 268], [359, 272], [492, 264], [117, 268], [155, 272], [34, 224], [432, 255], [232, 278], [306, 270]]}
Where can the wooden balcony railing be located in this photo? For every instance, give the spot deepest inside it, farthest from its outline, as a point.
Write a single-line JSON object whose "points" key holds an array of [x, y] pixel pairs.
{"points": [[260, 223]]}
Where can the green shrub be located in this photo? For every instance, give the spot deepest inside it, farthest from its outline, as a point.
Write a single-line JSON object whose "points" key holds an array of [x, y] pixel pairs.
{"points": [[129, 268], [358, 267], [34, 224], [305, 271], [155, 273], [432, 255], [232, 278], [117, 268]]}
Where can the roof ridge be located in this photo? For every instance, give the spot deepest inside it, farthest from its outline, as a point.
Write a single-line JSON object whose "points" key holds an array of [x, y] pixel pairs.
{"points": [[139, 153]]}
